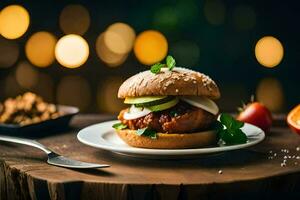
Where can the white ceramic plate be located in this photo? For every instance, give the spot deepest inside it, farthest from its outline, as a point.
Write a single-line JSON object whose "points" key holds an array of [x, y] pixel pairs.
{"points": [[103, 136]]}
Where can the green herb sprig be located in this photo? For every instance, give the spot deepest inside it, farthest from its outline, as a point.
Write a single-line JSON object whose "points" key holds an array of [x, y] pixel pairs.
{"points": [[119, 126], [229, 130], [170, 64], [147, 132]]}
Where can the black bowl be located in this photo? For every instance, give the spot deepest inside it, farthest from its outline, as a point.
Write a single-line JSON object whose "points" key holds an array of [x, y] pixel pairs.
{"points": [[42, 128]]}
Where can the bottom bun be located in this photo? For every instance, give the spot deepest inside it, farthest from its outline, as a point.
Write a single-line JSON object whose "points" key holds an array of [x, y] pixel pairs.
{"points": [[169, 141]]}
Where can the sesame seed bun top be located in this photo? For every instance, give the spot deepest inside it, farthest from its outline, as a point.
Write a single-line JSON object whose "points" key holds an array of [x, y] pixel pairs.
{"points": [[179, 81]]}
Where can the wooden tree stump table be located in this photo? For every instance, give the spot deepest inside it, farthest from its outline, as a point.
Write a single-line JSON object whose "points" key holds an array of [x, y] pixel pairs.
{"points": [[247, 174]]}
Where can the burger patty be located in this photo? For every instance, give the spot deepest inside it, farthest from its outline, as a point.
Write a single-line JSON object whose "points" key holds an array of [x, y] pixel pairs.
{"points": [[182, 118]]}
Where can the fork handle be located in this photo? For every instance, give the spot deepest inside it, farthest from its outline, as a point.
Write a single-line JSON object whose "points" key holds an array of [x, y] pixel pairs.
{"points": [[27, 142]]}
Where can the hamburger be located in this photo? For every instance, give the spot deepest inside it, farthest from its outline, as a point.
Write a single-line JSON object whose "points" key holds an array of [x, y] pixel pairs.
{"points": [[169, 109]]}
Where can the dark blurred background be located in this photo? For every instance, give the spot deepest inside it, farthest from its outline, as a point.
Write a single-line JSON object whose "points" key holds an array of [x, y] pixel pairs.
{"points": [[216, 37]]}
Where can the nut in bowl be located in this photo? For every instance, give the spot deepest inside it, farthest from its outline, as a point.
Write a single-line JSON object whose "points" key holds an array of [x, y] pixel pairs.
{"points": [[29, 113]]}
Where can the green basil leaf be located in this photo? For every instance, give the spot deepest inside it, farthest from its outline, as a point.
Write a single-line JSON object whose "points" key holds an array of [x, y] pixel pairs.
{"points": [[218, 126], [173, 113], [241, 137], [141, 131], [229, 130], [226, 120], [147, 132], [170, 62], [156, 68], [119, 126], [237, 124], [151, 134]]}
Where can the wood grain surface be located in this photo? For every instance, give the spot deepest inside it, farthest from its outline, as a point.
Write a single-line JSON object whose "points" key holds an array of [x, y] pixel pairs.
{"points": [[247, 174]]}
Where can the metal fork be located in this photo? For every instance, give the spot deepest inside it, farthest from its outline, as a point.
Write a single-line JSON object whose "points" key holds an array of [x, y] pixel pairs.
{"points": [[53, 158]]}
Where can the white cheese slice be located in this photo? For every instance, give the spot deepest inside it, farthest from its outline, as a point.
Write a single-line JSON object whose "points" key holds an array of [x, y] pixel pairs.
{"points": [[136, 112], [203, 103]]}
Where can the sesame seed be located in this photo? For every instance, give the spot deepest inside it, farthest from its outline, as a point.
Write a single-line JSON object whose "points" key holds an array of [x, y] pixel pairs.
{"points": [[270, 151], [298, 157], [275, 154], [285, 157], [177, 90], [289, 156], [298, 149], [220, 172], [282, 164]]}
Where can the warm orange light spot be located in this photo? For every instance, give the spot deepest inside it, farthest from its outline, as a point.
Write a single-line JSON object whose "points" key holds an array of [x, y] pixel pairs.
{"points": [[150, 47], [106, 55], [269, 92], [74, 19], [14, 21], [40, 49], [72, 51], [269, 51], [119, 38], [26, 75], [9, 52]]}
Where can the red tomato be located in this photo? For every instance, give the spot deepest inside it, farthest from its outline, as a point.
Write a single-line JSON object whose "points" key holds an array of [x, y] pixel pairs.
{"points": [[257, 114]]}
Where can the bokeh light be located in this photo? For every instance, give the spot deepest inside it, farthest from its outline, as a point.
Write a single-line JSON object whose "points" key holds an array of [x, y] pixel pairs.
{"points": [[74, 19], [214, 11], [150, 47], [166, 18], [244, 17], [26, 75], [14, 21], [187, 12], [11, 86], [270, 92], [9, 52], [71, 51], [187, 53], [107, 95], [44, 87], [106, 55], [74, 91], [40, 47], [269, 51], [180, 14], [119, 38]]}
